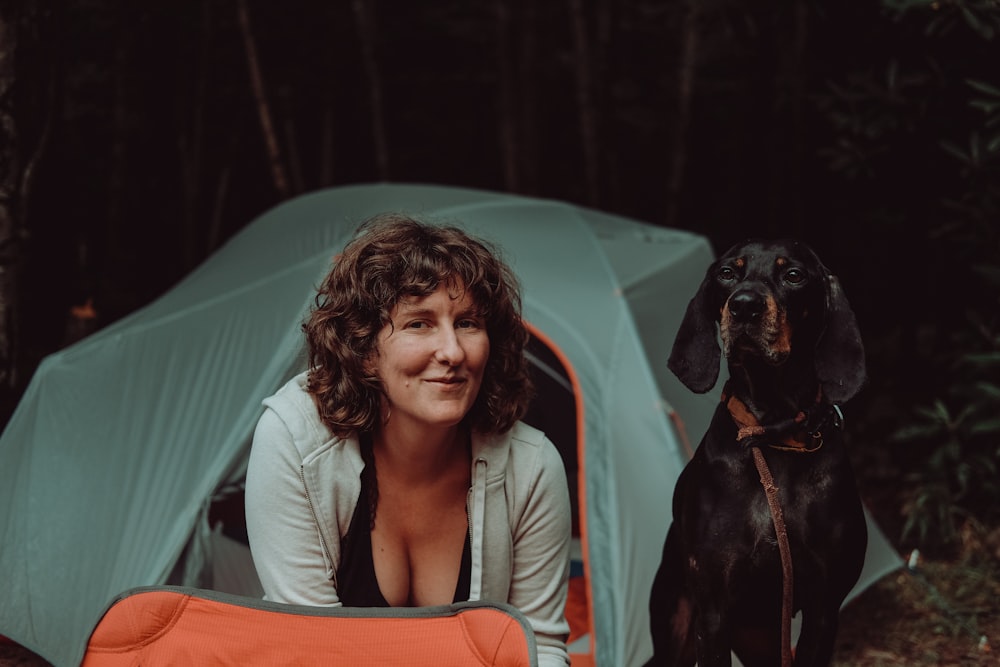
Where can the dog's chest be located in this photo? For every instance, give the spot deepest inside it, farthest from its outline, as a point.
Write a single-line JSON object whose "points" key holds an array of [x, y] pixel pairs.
{"points": [[802, 493]]}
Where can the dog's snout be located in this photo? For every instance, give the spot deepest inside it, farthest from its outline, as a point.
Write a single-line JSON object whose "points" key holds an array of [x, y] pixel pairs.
{"points": [[746, 305]]}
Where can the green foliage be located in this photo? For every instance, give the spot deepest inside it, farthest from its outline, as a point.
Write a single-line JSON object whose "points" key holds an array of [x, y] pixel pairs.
{"points": [[943, 16], [934, 102], [958, 479], [869, 111]]}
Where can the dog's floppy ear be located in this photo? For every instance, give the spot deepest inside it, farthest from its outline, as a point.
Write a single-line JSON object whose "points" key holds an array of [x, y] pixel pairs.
{"points": [[695, 356], [840, 354]]}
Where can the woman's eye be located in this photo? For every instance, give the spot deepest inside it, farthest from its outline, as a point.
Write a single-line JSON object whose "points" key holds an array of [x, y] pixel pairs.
{"points": [[416, 324], [727, 273], [468, 324], [794, 276]]}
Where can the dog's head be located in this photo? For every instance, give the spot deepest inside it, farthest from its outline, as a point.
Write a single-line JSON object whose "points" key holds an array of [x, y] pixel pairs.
{"points": [[769, 302]]}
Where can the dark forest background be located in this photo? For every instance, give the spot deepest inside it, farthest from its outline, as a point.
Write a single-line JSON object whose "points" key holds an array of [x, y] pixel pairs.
{"points": [[137, 136]]}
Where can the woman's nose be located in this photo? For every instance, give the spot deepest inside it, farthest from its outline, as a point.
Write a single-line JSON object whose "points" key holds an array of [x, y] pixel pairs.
{"points": [[449, 350]]}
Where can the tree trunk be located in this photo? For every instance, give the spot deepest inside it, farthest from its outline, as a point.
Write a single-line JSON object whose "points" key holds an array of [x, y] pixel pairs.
{"points": [[326, 142], [9, 175], [788, 191], [36, 21], [585, 99], [119, 136], [21, 23], [527, 88], [606, 21], [364, 19], [687, 66], [294, 162], [218, 207], [263, 108], [191, 142], [506, 115]]}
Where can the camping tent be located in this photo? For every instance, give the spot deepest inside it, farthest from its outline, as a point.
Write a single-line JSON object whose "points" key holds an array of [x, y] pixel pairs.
{"points": [[121, 441]]}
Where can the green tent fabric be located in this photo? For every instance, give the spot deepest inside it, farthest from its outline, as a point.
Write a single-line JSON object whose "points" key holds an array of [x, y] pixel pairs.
{"points": [[122, 440]]}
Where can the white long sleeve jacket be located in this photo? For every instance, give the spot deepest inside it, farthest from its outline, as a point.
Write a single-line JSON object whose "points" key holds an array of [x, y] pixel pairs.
{"points": [[303, 484]]}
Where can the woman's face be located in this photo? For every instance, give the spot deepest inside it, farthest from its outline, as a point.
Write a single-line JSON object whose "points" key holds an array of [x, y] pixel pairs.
{"points": [[432, 357]]}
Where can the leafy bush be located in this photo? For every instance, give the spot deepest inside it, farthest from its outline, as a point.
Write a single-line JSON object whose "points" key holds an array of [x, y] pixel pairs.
{"points": [[935, 102], [958, 482]]}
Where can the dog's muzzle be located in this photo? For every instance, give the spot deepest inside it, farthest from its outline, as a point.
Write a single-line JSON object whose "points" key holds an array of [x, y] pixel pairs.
{"points": [[752, 324]]}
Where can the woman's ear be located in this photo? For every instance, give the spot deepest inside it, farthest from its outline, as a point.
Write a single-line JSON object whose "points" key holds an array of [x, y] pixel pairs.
{"points": [[840, 352], [696, 354]]}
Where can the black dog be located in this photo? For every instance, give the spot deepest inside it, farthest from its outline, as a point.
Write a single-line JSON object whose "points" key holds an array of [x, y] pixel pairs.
{"points": [[794, 352]]}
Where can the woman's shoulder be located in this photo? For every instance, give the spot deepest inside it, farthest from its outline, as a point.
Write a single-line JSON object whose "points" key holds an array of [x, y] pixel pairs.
{"points": [[527, 435], [533, 466], [520, 436], [292, 395], [523, 448], [293, 407]]}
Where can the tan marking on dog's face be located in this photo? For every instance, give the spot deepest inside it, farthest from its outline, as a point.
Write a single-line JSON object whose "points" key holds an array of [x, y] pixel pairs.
{"points": [[740, 262], [781, 261], [780, 330], [770, 337], [775, 335], [725, 325]]}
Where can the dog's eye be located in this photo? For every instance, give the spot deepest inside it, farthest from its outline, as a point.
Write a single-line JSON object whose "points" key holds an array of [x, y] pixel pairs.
{"points": [[726, 274], [794, 276]]}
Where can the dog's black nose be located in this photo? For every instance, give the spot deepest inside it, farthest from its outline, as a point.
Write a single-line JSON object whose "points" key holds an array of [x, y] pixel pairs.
{"points": [[746, 305]]}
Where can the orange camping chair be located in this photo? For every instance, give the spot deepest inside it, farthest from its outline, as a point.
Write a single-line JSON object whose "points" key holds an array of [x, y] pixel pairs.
{"points": [[168, 625]]}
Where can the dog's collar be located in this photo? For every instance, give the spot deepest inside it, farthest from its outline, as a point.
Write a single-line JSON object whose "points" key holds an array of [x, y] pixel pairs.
{"points": [[801, 434]]}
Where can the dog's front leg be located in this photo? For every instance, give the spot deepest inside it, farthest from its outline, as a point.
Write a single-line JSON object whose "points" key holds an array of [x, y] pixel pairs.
{"points": [[713, 637], [707, 577], [818, 637], [671, 611], [833, 568]]}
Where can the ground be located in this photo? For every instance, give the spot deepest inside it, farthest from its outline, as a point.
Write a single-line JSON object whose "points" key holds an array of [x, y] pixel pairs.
{"points": [[937, 614], [945, 610]]}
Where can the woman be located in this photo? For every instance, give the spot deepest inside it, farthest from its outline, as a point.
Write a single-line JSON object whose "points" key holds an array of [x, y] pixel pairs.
{"points": [[395, 470]]}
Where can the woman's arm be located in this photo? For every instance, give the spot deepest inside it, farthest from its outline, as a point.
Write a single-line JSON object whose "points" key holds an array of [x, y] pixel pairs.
{"points": [[539, 584], [284, 537]]}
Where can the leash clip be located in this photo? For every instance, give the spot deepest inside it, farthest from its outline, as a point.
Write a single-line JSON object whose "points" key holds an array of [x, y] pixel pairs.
{"points": [[838, 418]]}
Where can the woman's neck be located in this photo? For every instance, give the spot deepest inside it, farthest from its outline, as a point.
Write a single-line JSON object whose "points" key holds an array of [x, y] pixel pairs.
{"points": [[419, 454]]}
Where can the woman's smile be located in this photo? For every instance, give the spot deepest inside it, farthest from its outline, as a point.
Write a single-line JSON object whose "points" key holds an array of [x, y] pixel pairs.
{"points": [[431, 358], [447, 382]]}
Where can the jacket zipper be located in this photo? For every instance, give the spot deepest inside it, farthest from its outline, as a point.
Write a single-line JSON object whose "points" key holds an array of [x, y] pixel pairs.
{"points": [[322, 537], [475, 511]]}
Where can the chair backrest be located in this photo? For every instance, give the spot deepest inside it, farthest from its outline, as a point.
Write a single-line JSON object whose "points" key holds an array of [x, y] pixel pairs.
{"points": [[167, 625]]}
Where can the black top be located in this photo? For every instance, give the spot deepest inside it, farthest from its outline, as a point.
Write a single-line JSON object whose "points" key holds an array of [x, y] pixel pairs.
{"points": [[357, 584]]}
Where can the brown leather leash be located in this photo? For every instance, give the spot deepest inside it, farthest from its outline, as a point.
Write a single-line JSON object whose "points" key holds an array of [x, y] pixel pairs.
{"points": [[748, 426], [787, 579]]}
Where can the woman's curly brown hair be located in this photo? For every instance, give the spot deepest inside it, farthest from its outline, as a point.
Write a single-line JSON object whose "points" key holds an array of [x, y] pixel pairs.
{"points": [[397, 256]]}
